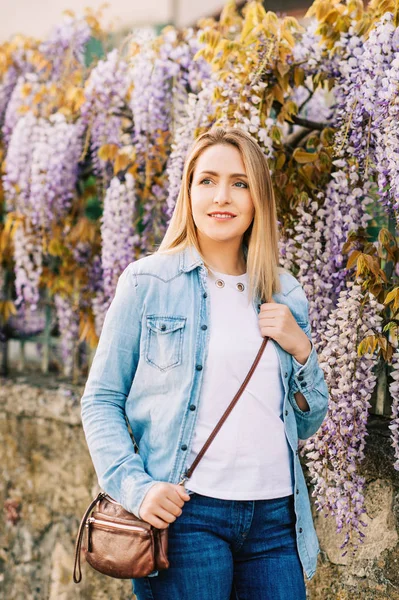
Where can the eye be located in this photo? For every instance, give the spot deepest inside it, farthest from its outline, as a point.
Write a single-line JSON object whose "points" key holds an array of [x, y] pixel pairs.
{"points": [[206, 179], [243, 183]]}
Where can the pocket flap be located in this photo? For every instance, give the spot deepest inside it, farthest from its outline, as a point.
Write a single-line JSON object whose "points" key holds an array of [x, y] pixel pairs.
{"points": [[165, 324]]}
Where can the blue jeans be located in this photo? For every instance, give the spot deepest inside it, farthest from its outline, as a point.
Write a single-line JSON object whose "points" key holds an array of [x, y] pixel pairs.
{"points": [[230, 550]]}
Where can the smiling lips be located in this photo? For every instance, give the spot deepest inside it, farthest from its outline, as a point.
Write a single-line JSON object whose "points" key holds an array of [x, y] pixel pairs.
{"points": [[222, 215]]}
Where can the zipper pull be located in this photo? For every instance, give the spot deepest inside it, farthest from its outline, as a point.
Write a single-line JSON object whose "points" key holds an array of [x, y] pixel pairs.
{"points": [[89, 534]]}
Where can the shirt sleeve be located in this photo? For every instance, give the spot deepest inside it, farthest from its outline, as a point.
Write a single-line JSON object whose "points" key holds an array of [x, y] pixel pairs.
{"points": [[119, 469], [310, 381]]}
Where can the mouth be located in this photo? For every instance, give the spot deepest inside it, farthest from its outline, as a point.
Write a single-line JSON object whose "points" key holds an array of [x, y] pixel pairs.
{"points": [[222, 216]]}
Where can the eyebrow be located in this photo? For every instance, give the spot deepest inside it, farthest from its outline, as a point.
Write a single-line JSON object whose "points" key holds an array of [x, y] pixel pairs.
{"points": [[232, 175]]}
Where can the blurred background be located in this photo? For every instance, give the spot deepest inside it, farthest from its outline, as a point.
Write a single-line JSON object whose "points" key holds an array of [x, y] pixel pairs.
{"points": [[37, 18]]}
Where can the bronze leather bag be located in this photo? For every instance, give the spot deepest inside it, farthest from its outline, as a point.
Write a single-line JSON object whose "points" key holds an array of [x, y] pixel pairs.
{"points": [[117, 543]]}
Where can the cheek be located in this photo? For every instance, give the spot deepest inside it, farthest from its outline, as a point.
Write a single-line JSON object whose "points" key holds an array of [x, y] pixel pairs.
{"points": [[249, 208], [199, 202]]}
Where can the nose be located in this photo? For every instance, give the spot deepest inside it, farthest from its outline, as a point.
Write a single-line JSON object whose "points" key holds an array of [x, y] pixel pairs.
{"points": [[222, 195]]}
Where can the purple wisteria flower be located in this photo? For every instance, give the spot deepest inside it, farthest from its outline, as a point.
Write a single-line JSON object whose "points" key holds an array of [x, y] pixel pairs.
{"points": [[39, 183], [41, 170], [66, 43], [68, 323], [28, 258], [335, 451], [394, 391], [106, 95], [117, 231]]}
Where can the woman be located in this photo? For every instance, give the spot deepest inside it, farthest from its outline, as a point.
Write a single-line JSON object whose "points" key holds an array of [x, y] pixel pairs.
{"points": [[178, 340]]}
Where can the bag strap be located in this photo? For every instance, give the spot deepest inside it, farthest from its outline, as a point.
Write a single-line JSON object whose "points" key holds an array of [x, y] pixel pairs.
{"points": [[79, 538], [226, 413]]}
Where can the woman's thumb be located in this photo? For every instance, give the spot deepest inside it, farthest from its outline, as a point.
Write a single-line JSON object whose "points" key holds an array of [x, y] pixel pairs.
{"points": [[181, 490]]}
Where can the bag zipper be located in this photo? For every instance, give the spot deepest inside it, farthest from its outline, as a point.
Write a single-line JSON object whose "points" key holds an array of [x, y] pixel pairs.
{"points": [[110, 499], [116, 525]]}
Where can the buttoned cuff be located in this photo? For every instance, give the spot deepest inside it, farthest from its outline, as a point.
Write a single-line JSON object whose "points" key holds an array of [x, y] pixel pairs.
{"points": [[303, 375]]}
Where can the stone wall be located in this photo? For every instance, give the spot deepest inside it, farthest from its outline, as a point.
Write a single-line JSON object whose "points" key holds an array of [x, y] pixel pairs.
{"points": [[48, 480]]}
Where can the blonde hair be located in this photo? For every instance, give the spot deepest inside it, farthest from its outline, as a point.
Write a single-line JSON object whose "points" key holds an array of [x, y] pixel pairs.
{"points": [[261, 238]]}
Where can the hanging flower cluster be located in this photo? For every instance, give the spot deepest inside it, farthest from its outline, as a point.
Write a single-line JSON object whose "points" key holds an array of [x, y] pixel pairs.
{"points": [[68, 323], [394, 391], [338, 447], [102, 112], [39, 181], [117, 234]]}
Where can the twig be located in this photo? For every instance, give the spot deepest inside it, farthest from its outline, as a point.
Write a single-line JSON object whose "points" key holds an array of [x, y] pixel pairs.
{"points": [[308, 124]]}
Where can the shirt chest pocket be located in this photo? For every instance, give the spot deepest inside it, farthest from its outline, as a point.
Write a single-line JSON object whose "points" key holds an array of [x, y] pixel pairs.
{"points": [[164, 345]]}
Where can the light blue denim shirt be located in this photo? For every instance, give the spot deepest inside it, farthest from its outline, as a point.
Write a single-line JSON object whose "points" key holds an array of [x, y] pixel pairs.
{"points": [[148, 369]]}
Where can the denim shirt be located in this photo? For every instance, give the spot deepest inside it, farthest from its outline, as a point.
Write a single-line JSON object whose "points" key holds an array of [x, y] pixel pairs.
{"points": [[147, 372]]}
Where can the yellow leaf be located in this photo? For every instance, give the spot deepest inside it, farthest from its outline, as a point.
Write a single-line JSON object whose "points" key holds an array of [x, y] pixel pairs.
{"points": [[121, 162], [271, 23], [280, 161], [211, 38], [331, 17], [7, 308], [87, 331], [26, 90], [228, 14], [292, 23], [322, 10], [275, 133], [277, 92], [108, 152], [55, 247], [352, 259], [22, 110], [287, 35], [303, 157], [133, 170], [283, 67], [299, 76], [357, 7], [327, 136], [392, 295]]}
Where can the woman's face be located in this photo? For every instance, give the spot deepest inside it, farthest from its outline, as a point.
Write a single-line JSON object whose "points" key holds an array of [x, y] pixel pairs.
{"points": [[220, 185]]}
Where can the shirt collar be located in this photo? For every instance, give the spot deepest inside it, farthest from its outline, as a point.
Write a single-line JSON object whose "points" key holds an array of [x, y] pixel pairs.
{"points": [[191, 258]]}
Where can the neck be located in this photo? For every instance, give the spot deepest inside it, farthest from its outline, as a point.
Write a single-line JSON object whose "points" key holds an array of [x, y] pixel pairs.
{"points": [[224, 257]]}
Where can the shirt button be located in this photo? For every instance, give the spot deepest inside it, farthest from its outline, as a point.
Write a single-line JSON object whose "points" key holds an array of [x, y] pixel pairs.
{"points": [[204, 295], [199, 367], [303, 384], [300, 530], [286, 412], [203, 327], [192, 406], [183, 447], [296, 452], [163, 327], [297, 491], [300, 377], [285, 374]]}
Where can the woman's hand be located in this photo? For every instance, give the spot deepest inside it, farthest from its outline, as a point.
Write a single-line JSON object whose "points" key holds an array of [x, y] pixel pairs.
{"points": [[162, 504], [277, 322]]}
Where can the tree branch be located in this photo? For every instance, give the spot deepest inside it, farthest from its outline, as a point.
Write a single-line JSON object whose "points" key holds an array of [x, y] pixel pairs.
{"points": [[308, 124]]}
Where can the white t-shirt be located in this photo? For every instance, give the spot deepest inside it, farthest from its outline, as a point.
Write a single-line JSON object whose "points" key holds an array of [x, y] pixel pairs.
{"points": [[249, 459]]}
